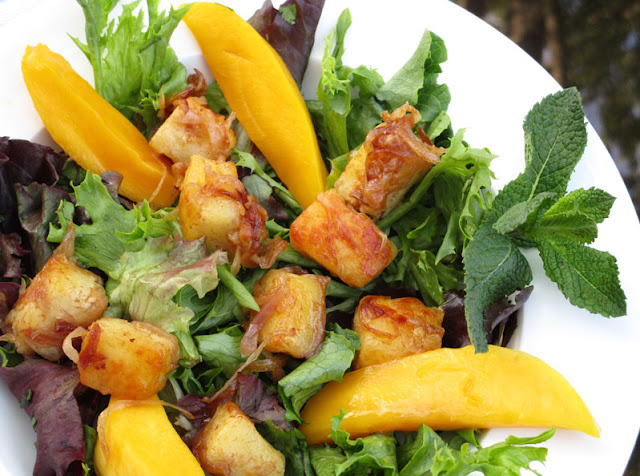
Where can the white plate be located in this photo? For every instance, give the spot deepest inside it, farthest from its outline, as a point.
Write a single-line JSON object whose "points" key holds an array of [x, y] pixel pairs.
{"points": [[493, 85]]}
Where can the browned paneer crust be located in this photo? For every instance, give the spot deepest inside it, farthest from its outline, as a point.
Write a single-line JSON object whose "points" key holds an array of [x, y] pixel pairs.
{"points": [[214, 204], [345, 242], [194, 129], [230, 445], [128, 360], [61, 297], [391, 160], [292, 311], [393, 328]]}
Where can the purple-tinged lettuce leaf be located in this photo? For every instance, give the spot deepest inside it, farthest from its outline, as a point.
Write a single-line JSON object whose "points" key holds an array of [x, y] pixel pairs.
{"points": [[292, 39], [259, 402], [502, 311], [251, 395], [23, 162], [143, 283], [54, 408], [9, 293], [10, 252], [37, 205]]}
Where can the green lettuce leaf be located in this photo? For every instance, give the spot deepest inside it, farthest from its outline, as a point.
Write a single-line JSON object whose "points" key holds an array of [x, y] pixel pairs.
{"points": [[330, 363], [143, 285], [427, 453], [97, 243], [133, 64], [292, 444], [222, 350], [372, 454]]}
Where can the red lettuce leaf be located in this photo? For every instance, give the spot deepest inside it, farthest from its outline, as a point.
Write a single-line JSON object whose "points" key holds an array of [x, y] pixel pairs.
{"points": [[251, 395], [10, 252], [54, 407], [292, 42], [9, 293], [502, 311], [37, 205], [23, 162]]}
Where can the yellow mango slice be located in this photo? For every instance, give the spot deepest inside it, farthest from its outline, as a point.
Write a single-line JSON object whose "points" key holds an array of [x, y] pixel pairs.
{"points": [[259, 88], [92, 131], [449, 389], [141, 441]]}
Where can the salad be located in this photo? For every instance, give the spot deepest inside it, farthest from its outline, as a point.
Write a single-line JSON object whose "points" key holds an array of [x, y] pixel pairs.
{"points": [[147, 244]]}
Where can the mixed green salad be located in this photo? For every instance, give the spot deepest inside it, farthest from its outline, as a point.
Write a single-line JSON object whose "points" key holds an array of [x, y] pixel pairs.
{"points": [[459, 247]]}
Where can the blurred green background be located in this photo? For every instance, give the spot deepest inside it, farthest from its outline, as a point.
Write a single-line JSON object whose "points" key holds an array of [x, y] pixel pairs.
{"points": [[595, 46]]}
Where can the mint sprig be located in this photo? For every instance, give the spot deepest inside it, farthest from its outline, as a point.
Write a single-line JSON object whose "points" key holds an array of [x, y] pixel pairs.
{"points": [[535, 210]]}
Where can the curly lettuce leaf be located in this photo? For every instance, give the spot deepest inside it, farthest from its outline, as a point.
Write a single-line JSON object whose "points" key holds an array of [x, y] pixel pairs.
{"points": [[375, 453], [350, 100], [426, 452], [143, 283], [96, 244], [133, 65]]}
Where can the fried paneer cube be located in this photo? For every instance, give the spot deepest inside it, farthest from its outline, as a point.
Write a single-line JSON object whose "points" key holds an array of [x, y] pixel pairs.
{"points": [[393, 328], [128, 360], [345, 242], [292, 311], [61, 297], [194, 129], [230, 445], [214, 204], [390, 161]]}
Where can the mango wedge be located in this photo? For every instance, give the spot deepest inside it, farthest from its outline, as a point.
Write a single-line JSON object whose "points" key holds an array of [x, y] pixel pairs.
{"points": [[93, 132], [142, 441], [449, 389], [259, 88]]}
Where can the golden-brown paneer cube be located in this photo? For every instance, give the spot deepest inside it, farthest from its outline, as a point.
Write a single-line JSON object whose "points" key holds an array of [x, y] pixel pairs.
{"points": [[345, 242], [215, 204], [230, 445], [390, 161], [292, 307], [61, 297], [194, 129], [393, 328], [128, 360]]}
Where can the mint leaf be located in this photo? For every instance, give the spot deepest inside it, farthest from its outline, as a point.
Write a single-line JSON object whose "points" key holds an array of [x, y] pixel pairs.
{"points": [[555, 138], [521, 214], [494, 268], [577, 214], [587, 277], [330, 363], [289, 13], [592, 203]]}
